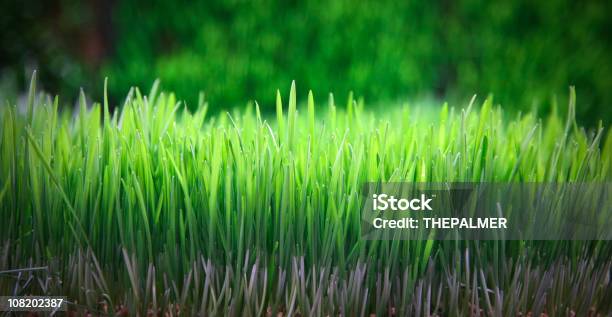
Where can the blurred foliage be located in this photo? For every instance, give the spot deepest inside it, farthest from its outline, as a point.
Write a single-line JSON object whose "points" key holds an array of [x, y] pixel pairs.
{"points": [[524, 52], [238, 50], [43, 36]]}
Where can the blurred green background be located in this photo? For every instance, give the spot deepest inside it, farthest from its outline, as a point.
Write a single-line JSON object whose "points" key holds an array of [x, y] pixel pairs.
{"points": [[524, 52]]}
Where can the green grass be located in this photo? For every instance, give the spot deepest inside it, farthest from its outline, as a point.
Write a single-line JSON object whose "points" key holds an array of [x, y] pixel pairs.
{"points": [[155, 208]]}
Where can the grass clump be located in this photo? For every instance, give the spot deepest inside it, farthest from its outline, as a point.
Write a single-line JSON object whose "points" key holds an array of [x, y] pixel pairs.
{"points": [[152, 208]]}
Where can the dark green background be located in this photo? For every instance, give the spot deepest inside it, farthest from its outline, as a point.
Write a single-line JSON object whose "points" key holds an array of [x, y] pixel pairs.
{"points": [[524, 52]]}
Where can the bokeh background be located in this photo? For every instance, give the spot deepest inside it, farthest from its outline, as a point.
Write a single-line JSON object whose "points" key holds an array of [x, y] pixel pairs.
{"points": [[526, 53]]}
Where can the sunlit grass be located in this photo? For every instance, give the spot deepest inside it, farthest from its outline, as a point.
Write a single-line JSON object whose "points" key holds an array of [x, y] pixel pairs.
{"points": [[151, 205]]}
